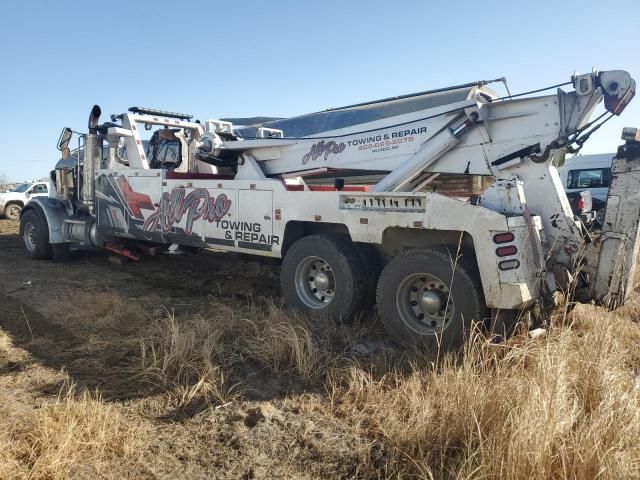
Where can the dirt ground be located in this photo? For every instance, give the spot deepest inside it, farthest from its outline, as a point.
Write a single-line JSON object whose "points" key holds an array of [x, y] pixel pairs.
{"points": [[257, 434]]}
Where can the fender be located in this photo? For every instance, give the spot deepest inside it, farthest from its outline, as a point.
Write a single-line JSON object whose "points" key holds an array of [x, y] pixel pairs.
{"points": [[54, 211]]}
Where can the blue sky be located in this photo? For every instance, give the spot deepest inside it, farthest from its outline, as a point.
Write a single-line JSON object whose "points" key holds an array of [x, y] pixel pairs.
{"points": [[282, 58]]}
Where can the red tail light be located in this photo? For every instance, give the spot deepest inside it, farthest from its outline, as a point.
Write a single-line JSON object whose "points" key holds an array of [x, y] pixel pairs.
{"points": [[505, 237], [581, 204], [506, 251]]}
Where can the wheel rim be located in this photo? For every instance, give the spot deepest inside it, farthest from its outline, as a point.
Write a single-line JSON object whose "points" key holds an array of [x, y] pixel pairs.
{"points": [[600, 216], [425, 304], [315, 282], [13, 212], [29, 236]]}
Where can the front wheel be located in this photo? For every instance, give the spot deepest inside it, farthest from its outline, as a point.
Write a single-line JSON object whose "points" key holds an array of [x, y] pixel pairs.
{"points": [[12, 211], [34, 234], [324, 274], [427, 297]]}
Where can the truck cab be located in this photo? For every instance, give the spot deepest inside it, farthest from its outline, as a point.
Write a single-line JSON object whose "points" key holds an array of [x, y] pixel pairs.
{"points": [[13, 201]]}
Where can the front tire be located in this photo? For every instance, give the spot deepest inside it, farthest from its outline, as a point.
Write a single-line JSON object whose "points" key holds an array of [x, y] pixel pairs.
{"points": [[34, 234], [426, 297], [324, 274], [12, 211]]}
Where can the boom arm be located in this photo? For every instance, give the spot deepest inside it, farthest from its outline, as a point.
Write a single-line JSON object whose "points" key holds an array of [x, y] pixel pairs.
{"points": [[467, 130]]}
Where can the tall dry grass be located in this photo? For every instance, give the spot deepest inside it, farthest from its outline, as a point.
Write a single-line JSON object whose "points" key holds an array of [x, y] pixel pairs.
{"points": [[77, 435], [197, 358], [565, 405]]}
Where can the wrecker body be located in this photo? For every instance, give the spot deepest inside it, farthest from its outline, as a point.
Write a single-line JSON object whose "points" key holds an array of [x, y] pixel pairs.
{"points": [[352, 200]]}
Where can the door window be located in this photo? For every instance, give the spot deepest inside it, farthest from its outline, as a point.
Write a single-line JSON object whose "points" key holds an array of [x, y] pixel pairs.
{"points": [[40, 188]]}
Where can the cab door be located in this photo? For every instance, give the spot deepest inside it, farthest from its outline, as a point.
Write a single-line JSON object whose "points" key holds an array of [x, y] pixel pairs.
{"points": [[254, 229]]}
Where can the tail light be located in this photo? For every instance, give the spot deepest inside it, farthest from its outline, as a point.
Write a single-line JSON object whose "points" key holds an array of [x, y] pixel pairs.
{"points": [[509, 264], [505, 237], [506, 251], [581, 204]]}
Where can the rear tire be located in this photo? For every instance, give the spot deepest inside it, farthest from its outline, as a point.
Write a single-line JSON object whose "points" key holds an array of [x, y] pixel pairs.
{"points": [[34, 234], [324, 274], [423, 299], [12, 211], [373, 264]]}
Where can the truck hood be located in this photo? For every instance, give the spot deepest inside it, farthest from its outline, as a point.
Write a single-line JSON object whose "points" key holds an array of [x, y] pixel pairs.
{"points": [[5, 197]]}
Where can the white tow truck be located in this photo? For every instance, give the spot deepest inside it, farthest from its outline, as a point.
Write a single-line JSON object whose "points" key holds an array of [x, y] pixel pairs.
{"points": [[347, 198]]}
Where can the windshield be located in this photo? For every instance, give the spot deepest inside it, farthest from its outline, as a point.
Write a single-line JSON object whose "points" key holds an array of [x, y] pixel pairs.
{"points": [[21, 188]]}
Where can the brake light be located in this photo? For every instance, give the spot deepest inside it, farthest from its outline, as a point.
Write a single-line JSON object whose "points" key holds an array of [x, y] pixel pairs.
{"points": [[505, 237], [581, 204], [506, 251]]}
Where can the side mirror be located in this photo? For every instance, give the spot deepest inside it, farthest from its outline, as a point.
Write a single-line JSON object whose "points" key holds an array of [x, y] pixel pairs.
{"points": [[27, 194], [63, 142]]}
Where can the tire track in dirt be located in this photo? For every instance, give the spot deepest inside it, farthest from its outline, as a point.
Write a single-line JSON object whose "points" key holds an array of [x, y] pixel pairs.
{"points": [[33, 295]]}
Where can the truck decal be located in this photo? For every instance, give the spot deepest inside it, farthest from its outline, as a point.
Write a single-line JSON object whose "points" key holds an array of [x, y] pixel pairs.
{"points": [[323, 148], [134, 200], [247, 232], [198, 203], [387, 139]]}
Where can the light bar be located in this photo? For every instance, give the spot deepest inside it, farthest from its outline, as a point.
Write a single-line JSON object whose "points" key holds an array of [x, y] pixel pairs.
{"points": [[160, 113]]}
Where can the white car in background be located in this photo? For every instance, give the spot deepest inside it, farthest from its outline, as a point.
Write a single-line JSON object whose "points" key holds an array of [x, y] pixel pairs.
{"points": [[591, 173], [13, 201]]}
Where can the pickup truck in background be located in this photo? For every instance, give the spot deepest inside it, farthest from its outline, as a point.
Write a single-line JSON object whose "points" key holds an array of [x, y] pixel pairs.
{"points": [[587, 173], [13, 201]]}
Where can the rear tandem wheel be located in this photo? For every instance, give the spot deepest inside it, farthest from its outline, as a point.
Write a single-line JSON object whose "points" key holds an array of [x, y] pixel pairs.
{"points": [[425, 296], [324, 274]]}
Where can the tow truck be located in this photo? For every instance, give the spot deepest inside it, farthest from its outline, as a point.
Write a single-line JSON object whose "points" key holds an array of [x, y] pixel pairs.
{"points": [[351, 200]]}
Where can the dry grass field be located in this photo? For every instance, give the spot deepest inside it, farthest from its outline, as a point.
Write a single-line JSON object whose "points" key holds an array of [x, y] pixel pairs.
{"points": [[189, 368]]}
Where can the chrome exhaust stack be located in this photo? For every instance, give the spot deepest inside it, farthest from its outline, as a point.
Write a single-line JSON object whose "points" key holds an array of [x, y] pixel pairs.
{"points": [[92, 155]]}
